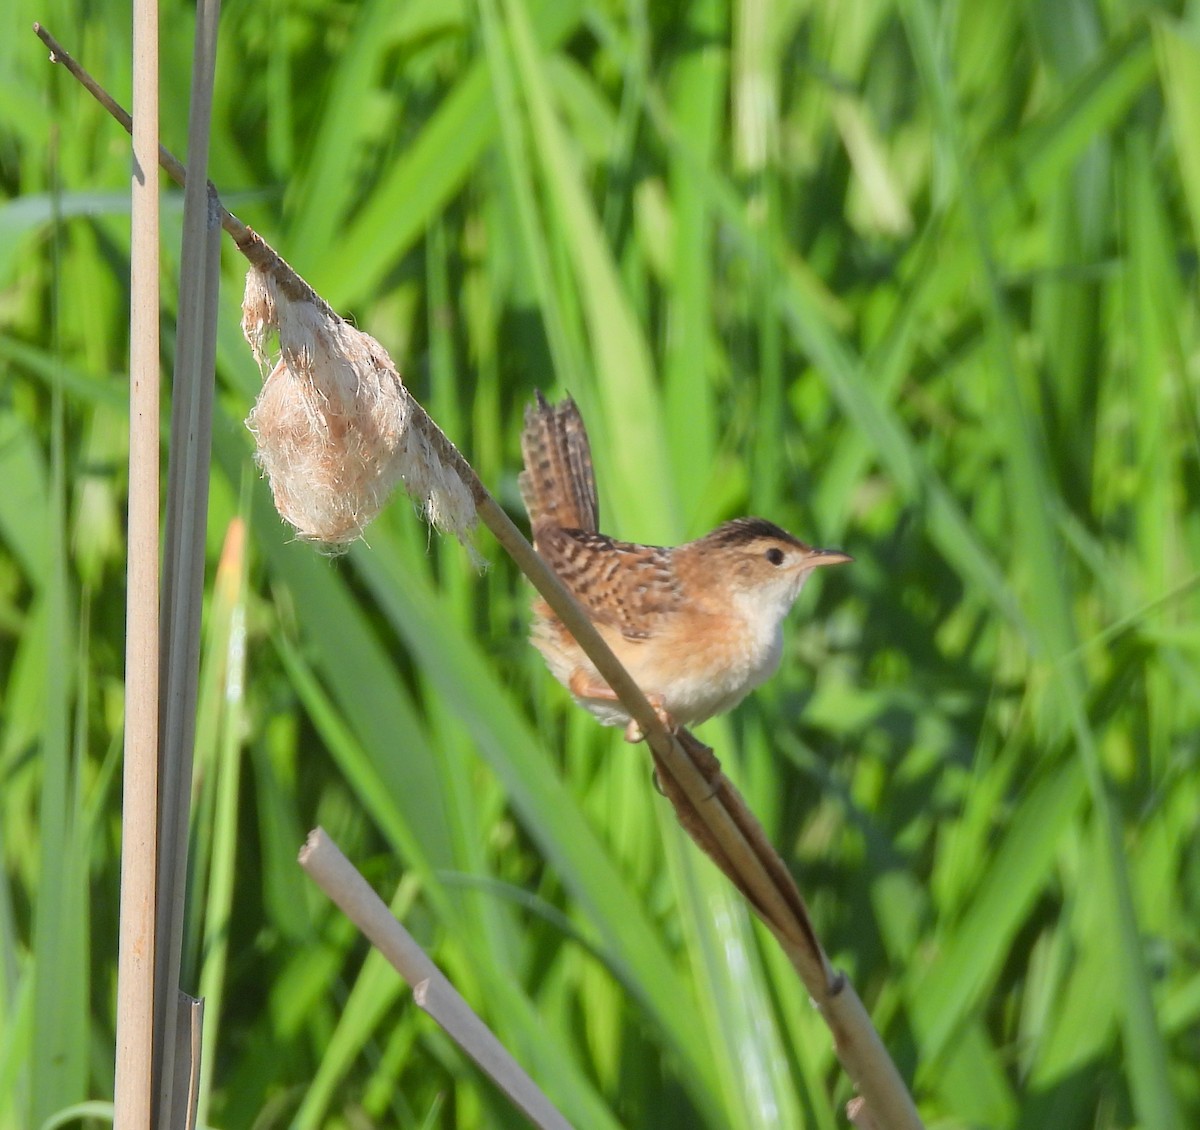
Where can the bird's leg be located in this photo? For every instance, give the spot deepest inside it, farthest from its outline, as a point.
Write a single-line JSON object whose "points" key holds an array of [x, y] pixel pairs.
{"points": [[582, 685]]}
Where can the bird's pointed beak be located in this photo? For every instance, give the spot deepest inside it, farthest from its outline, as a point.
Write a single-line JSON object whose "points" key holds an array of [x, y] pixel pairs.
{"points": [[827, 557]]}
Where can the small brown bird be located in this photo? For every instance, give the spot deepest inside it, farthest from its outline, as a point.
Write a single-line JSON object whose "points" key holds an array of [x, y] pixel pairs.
{"points": [[698, 626]]}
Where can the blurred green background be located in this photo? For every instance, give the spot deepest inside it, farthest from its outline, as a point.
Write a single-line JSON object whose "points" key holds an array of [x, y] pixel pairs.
{"points": [[917, 279]]}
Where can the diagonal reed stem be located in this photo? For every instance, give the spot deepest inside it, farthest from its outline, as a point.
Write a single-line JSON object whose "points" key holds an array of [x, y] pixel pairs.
{"points": [[708, 806], [432, 990]]}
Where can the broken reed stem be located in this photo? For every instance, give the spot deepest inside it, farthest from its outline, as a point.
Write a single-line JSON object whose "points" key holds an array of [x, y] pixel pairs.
{"points": [[708, 806], [432, 990]]}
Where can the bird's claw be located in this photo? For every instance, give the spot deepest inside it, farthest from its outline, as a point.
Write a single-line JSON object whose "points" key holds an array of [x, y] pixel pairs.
{"points": [[633, 732]]}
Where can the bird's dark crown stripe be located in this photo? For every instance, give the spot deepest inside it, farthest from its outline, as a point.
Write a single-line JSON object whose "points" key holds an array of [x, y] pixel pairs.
{"points": [[742, 531]]}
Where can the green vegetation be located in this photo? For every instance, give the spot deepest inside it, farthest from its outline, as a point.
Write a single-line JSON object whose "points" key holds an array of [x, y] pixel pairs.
{"points": [[917, 279]]}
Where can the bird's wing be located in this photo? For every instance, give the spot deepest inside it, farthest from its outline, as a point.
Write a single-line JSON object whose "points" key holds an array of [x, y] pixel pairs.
{"points": [[631, 588]]}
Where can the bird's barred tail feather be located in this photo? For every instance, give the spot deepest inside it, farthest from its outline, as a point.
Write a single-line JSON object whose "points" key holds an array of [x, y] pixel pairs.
{"points": [[558, 483]]}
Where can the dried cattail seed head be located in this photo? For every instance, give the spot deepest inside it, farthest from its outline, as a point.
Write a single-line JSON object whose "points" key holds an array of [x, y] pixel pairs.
{"points": [[335, 426]]}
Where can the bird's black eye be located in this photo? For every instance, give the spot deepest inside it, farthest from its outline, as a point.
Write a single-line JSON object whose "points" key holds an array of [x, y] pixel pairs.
{"points": [[774, 555]]}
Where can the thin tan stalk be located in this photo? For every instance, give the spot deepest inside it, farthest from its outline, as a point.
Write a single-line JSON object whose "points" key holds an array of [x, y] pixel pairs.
{"points": [[432, 991], [133, 1090], [708, 806], [183, 572]]}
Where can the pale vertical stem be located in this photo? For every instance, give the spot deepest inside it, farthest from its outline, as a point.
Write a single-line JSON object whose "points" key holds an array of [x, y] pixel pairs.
{"points": [[139, 819]]}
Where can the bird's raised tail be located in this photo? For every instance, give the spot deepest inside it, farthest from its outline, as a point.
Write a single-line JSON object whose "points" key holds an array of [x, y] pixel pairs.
{"points": [[558, 483]]}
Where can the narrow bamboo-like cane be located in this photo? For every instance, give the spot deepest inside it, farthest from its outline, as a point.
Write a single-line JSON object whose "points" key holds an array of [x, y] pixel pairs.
{"points": [[183, 566], [134, 1086], [708, 806], [432, 991]]}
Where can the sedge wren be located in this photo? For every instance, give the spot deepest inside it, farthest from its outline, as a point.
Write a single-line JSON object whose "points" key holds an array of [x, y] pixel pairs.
{"points": [[698, 626]]}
